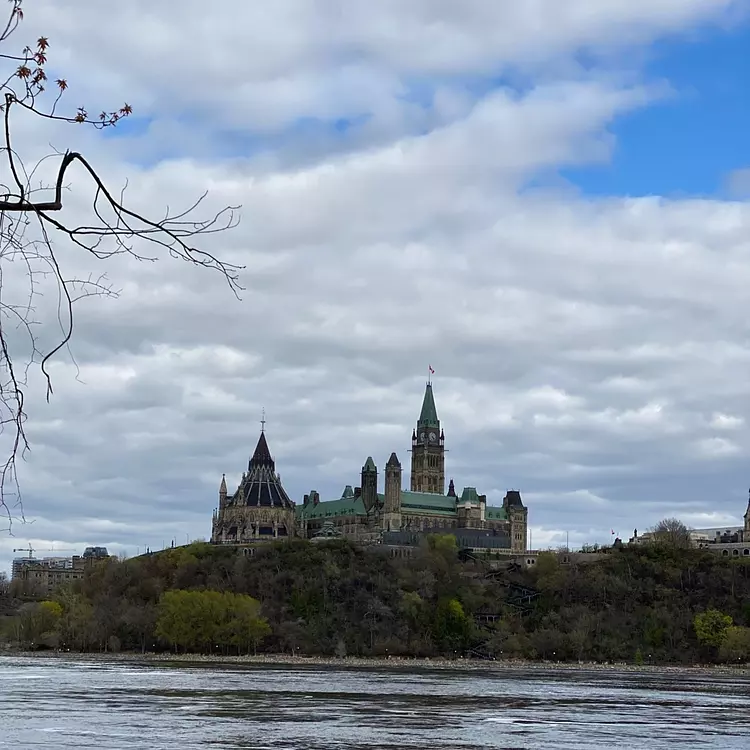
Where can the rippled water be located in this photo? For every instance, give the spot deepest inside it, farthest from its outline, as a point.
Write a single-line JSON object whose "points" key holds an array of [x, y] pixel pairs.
{"points": [[54, 703]]}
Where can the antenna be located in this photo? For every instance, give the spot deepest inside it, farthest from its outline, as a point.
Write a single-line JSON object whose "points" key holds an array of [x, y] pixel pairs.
{"points": [[263, 419]]}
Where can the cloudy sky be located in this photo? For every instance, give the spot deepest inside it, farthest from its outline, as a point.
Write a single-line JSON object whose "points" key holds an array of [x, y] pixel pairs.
{"points": [[546, 201]]}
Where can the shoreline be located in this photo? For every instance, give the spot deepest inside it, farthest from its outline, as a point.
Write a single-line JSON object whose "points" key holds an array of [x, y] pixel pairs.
{"points": [[361, 662]]}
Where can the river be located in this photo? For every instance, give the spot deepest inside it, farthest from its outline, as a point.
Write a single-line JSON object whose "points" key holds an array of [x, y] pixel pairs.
{"points": [[114, 705]]}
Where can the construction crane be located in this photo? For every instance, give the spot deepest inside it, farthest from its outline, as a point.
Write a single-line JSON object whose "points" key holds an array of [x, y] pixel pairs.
{"points": [[31, 550]]}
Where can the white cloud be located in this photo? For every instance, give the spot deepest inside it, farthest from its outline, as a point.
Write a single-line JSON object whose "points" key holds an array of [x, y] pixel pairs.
{"points": [[726, 422], [587, 351]]}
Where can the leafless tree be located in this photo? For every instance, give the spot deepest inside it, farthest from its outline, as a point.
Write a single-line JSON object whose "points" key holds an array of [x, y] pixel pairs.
{"points": [[32, 215], [673, 532]]}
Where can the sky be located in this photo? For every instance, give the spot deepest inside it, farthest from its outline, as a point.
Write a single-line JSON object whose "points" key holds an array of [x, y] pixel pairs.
{"points": [[546, 202]]}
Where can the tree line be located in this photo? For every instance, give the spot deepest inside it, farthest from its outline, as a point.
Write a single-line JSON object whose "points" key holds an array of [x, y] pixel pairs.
{"points": [[656, 603]]}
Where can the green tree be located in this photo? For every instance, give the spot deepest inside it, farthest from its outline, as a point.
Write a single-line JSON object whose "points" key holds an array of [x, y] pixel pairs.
{"points": [[443, 544], [206, 620], [39, 623], [174, 622], [245, 626], [77, 623], [711, 627], [452, 627], [412, 608], [735, 647]]}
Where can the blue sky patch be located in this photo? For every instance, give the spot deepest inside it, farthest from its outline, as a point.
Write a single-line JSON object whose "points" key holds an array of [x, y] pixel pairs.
{"points": [[685, 145]]}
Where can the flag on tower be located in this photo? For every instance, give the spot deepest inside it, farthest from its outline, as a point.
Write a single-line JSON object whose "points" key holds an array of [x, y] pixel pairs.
{"points": [[432, 372]]}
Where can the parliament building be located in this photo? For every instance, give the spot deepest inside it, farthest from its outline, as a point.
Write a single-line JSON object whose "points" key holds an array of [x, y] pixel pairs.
{"points": [[260, 509]]}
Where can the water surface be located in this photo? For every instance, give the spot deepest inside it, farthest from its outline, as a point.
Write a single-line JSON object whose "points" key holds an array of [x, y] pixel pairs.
{"points": [[58, 703]]}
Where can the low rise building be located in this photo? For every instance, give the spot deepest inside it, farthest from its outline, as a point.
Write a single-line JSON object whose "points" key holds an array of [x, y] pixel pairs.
{"points": [[43, 577]]}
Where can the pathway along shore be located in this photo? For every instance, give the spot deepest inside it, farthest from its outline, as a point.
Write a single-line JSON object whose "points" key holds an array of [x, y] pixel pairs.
{"points": [[354, 662]]}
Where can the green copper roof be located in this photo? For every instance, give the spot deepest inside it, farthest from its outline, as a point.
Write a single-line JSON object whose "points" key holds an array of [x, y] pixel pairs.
{"points": [[427, 501], [495, 514], [344, 506], [428, 417], [469, 495], [412, 503], [369, 465]]}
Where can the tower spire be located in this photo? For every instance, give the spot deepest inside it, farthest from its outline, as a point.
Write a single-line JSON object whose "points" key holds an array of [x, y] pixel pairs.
{"points": [[261, 456], [263, 419], [428, 416], [428, 448]]}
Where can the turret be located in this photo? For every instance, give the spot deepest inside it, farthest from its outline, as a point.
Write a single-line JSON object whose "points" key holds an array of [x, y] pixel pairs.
{"points": [[369, 488], [518, 515], [392, 518], [223, 491]]}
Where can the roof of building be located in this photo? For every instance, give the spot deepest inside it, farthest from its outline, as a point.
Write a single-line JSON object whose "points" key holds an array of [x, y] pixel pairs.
{"points": [[514, 499], [346, 505], [427, 501], [495, 514], [412, 503], [716, 531], [469, 495], [261, 455], [428, 416], [369, 465], [261, 486]]}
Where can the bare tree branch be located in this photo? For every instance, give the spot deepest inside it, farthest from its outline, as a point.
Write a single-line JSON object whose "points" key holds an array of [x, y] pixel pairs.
{"points": [[115, 230]]}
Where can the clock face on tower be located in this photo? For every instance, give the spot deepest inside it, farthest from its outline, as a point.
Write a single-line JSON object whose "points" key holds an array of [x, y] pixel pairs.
{"points": [[422, 436], [433, 437]]}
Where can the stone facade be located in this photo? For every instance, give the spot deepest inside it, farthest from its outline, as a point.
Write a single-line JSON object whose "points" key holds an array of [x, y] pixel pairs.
{"points": [[364, 514], [42, 578]]}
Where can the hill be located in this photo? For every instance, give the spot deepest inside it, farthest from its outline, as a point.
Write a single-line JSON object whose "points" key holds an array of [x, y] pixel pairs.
{"points": [[651, 603]]}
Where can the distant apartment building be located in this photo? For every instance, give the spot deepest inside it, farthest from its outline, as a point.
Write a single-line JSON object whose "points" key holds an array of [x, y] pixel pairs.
{"points": [[45, 575], [19, 563]]}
